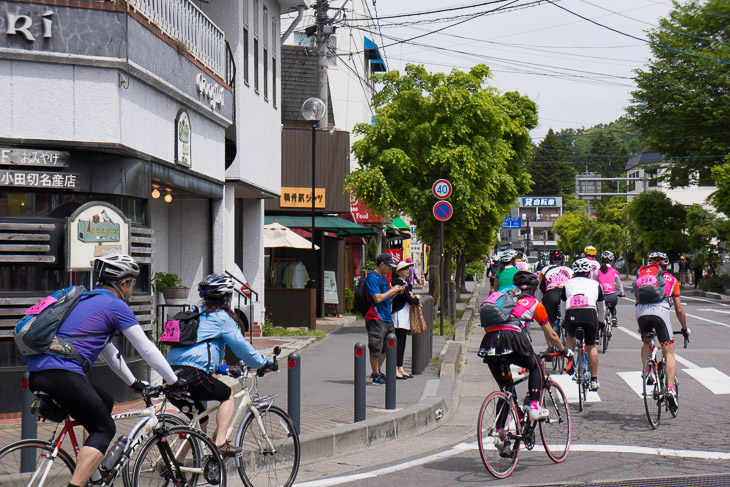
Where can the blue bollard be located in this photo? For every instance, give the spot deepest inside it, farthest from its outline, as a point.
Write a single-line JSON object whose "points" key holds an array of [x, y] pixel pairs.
{"points": [[390, 347], [360, 374], [294, 389]]}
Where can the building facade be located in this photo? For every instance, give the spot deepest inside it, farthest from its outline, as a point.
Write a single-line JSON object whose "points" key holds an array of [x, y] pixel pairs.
{"points": [[533, 220]]}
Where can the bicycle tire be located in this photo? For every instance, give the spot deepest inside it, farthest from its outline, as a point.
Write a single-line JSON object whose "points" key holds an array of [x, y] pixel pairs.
{"points": [[652, 394], [676, 397], [495, 440], [11, 466], [606, 332], [160, 463], [556, 430], [258, 467], [127, 471], [580, 374]]}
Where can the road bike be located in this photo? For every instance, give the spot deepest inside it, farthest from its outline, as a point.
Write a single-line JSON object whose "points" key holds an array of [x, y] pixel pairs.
{"points": [[581, 367], [159, 453], [557, 363], [654, 379], [504, 426], [606, 332], [267, 436]]}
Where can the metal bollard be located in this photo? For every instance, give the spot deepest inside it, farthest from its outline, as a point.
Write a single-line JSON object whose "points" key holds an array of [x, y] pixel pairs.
{"points": [[390, 344], [360, 375], [28, 428], [294, 389]]}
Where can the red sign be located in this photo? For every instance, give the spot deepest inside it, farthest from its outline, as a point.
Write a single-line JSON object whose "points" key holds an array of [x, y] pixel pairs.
{"points": [[396, 253], [361, 213], [441, 189], [443, 211]]}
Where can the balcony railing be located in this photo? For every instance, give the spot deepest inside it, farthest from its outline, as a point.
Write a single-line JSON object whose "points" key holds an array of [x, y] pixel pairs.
{"points": [[184, 21]]}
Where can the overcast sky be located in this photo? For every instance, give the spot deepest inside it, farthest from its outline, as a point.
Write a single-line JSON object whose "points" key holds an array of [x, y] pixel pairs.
{"points": [[580, 74]]}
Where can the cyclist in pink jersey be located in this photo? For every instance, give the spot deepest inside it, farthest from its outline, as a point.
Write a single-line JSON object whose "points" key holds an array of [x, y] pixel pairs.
{"points": [[590, 253], [611, 285]]}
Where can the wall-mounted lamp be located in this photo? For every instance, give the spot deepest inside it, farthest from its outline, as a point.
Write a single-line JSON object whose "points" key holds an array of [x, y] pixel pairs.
{"points": [[155, 193], [168, 198]]}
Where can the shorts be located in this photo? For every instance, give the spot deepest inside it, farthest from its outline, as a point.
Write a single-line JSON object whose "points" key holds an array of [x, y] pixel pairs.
{"points": [[655, 317], [586, 318], [377, 329], [551, 301], [202, 387], [611, 301]]}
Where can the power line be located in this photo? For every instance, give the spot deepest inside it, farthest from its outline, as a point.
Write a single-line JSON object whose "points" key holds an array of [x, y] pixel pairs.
{"points": [[436, 11]]}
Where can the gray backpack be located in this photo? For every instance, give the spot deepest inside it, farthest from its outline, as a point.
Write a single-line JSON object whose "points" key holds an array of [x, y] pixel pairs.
{"points": [[497, 308]]}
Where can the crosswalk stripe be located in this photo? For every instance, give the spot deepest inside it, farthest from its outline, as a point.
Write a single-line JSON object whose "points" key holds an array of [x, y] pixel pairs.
{"points": [[714, 380], [570, 387], [634, 380]]}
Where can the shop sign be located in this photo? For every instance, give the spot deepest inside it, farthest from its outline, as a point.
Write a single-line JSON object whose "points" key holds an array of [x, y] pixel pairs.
{"points": [[361, 213], [330, 288], [95, 229], [213, 92], [183, 134], [33, 157], [539, 202], [301, 198], [33, 179], [415, 246], [21, 24], [396, 253]]}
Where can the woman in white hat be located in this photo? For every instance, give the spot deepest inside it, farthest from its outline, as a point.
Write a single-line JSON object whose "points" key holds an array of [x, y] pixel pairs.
{"points": [[400, 311]]}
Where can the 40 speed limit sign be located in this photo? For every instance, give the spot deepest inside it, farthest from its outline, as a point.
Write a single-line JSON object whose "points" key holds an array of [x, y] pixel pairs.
{"points": [[441, 189]]}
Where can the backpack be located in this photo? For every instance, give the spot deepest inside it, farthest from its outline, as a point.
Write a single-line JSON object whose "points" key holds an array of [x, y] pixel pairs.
{"points": [[36, 332], [182, 330], [497, 308], [649, 285], [362, 301]]}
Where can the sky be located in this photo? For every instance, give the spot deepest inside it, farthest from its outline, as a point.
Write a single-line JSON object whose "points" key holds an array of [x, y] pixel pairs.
{"points": [[580, 74]]}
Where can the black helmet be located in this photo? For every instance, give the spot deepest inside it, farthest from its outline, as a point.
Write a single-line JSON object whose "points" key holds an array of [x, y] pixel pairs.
{"points": [[556, 256], [215, 286], [525, 280]]}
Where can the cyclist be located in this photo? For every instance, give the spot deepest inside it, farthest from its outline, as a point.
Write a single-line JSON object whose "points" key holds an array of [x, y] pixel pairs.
{"points": [[655, 317], [198, 363], [610, 281], [507, 269], [506, 342], [552, 279], [590, 253], [94, 320], [583, 299]]}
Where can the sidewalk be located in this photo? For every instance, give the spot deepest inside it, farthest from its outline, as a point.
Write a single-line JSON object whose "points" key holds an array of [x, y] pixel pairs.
{"points": [[327, 411]]}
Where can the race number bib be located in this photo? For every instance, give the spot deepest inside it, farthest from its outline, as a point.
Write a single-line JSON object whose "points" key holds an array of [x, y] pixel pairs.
{"points": [[557, 280], [646, 280], [608, 288], [578, 301]]}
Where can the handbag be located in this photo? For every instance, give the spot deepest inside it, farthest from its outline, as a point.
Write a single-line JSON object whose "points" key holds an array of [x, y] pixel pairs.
{"points": [[418, 322]]}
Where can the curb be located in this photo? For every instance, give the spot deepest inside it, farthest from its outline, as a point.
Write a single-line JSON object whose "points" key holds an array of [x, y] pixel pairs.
{"points": [[706, 294]]}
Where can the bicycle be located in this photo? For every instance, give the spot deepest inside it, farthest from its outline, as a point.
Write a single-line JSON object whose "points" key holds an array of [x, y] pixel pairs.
{"points": [[504, 426], [581, 367], [606, 332], [176, 455], [655, 383], [559, 362], [266, 435]]}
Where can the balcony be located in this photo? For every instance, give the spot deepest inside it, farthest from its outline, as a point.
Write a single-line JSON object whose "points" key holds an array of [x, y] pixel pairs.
{"points": [[184, 21]]}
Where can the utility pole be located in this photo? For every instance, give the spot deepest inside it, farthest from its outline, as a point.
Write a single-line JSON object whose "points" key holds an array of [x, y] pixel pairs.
{"points": [[324, 30]]}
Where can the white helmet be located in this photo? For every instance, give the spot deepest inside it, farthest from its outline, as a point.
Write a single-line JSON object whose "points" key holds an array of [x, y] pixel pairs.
{"points": [[607, 254], [582, 265], [658, 255], [508, 255], [114, 268]]}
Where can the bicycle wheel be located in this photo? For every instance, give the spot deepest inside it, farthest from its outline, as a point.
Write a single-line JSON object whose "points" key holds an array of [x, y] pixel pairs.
{"points": [[179, 456], [652, 394], [23, 463], [498, 434], [259, 464], [580, 375], [556, 430], [606, 335]]}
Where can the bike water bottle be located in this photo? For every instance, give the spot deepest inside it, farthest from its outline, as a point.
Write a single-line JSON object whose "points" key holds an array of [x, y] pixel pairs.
{"points": [[114, 454]]}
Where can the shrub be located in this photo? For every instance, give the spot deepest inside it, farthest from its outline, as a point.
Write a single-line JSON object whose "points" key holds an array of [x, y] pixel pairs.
{"points": [[713, 285]]}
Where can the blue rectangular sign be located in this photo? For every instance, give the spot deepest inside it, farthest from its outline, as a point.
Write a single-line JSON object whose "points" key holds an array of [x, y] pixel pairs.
{"points": [[512, 223]]}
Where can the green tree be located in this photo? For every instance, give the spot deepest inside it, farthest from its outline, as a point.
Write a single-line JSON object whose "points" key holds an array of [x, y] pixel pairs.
{"points": [[682, 103], [702, 229], [721, 198], [549, 170], [453, 126], [574, 233], [656, 224]]}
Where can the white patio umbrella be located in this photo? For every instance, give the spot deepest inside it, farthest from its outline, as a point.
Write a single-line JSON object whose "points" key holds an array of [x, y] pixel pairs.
{"points": [[277, 235]]}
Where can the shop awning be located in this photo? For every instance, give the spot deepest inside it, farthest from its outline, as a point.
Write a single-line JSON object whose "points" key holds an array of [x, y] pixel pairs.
{"points": [[401, 225], [342, 227], [377, 64]]}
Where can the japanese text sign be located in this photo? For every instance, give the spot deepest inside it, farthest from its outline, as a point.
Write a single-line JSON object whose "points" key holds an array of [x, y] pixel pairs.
{"points": [[33, 179], [33, 157], [539, 202], [301, 198]]}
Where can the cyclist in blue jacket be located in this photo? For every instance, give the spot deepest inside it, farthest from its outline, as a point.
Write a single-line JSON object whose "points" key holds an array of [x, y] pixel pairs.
{"points": [[198, 363]]}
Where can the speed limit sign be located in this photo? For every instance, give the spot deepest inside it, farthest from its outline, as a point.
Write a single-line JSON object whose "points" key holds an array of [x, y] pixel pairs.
{"points": [[441, 189]]}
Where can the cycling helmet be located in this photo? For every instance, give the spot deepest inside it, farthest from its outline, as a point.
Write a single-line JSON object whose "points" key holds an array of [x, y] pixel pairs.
{"points": [[525, 280], [582, 265], [114, 268], [556, 256], [658, 255], [215, 286], [508, 255], [607, 254], [590, 250]]}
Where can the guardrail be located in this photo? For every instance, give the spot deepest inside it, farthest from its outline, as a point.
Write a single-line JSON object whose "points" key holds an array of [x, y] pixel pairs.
{"points": [[184, 21]]}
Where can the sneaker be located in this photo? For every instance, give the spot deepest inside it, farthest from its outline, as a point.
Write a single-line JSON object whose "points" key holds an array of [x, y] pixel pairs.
{"points": [[377, 378], [537, 414], [503, 447], [614, 322], [594, 384], [672, 401], [228, 450]]}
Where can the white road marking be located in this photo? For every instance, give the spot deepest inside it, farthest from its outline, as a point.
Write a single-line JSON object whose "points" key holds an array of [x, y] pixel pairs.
{"points": [[707, 320], [716, 381], [462, 447], [722, 311], [634, 380], [570, 388], [677, 357], [712, 301]]}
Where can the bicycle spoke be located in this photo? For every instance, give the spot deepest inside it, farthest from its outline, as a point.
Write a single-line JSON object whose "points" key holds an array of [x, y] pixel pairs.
{"points": [[652, 394], [27, 463], [556, 430], [497, 434]]}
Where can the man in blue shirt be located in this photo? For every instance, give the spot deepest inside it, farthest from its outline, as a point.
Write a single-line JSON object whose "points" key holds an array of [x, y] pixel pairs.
{"points": [[378, 321]]}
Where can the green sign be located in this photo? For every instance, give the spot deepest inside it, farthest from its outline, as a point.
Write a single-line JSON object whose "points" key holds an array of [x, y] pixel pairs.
{"points": [[101, 231]]}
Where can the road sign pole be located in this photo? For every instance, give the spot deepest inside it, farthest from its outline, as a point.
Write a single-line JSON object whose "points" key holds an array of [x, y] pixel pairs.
{"points": [[443, 281]]}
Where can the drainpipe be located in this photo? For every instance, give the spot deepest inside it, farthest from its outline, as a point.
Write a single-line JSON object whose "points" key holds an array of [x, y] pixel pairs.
{"points": [[294, 24]]}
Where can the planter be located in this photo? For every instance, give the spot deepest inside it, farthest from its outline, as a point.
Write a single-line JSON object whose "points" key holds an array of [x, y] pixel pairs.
{"points": [[176, 295]]}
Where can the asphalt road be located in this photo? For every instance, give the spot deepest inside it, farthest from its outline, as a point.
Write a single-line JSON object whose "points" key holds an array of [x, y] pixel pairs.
{"points": [[611, 440]]}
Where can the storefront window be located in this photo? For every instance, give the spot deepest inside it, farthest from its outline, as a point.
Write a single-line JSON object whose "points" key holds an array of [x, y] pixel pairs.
{"points": [[61, 205]]}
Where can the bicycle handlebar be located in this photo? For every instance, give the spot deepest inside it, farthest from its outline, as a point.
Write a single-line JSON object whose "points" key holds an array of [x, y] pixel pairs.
{"points": [[685, 334]]}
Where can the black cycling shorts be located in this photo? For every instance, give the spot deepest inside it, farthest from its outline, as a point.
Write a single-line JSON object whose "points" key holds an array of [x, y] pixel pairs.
{"points": [[202, 387], [649, 323], [551, 301], [85, 402], [611, 301], [586, 318]]}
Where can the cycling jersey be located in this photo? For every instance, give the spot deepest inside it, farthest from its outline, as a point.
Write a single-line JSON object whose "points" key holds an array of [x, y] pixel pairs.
{"points": [[504, 277], [582, 292], [610, 281], [554, 276], [656, 316]]}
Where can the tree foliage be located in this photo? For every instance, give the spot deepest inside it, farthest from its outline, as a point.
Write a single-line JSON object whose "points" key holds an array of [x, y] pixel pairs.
{"points": [[657, 224], [702, 229], [550, 169], [682, 103]]}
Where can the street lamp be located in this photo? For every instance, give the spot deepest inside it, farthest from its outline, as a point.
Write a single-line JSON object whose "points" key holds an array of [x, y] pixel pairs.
{"points": [[313, 109]]}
